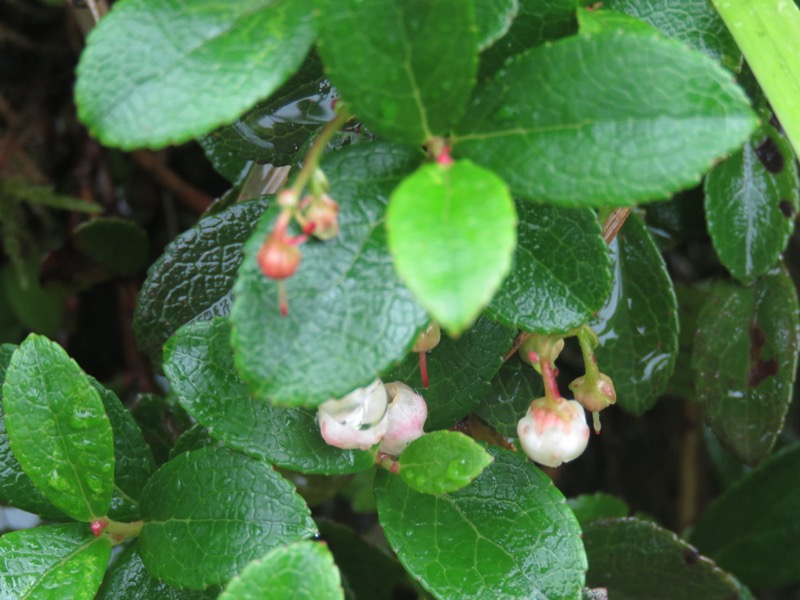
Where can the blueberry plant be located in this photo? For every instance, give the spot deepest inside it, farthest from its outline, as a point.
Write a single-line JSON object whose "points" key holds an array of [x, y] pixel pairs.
{"points": [[463, 270]]}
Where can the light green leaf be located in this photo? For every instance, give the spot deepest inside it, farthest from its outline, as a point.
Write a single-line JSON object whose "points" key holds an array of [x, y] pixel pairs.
{"points": [[198, 360], [459, 371], [301, 571], [52, 563], [751, 529], [349, 316], [58, 428], [209, 512], [638, 327], [560, 276], [469, 544], [406, 69], [451, 231], [192, 280], [127, 578], [494, 18], [635, 559], [442, 462], [745, 359], [592, 21], [153, 75], [751, 202], [694, 22], [591, 507], [610, 119], [119, 244]]}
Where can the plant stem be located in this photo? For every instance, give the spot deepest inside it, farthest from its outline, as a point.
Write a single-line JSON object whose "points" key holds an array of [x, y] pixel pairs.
{"points": [[768, 34], [613, 223], [317, 148], [126, 530]]}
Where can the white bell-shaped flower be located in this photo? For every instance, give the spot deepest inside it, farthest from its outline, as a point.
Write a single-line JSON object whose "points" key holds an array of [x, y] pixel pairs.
{"points": [[553, 432], [357, 421], [406, 415]]}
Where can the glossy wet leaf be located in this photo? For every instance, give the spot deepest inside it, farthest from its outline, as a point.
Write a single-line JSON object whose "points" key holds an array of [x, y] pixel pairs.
{"points": [[349, 317], [459, 371], [591, 507], [442, 462], [512, 390], [638, 326], [509, 534], [368, 571], [143, 84], [635, 559], [133, 459], [451, 231], [198, 360], [16, 488], [209, 512], [694, 22], [560, 277], [536, 21], [58, 428], [539, 124], [52, 562], [128, 578], [193, 278], [225, 161], [301, 571], [744, 360], [494, 18], [423, 57], [119, 244], [274, 129], [751, 202], [751, 529], [592, 21]]}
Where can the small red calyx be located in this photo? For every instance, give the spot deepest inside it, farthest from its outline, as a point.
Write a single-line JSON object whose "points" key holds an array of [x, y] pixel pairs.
{"points": [[322, 217], [98, 526]]}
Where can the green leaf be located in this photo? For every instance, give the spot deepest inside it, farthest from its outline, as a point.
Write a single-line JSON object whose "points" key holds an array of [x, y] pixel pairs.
{"points": [[273, 130], [467, 544], [751, 529], [459, 371], [592, 21], [209, 512], [301, 571], [406, 69], [512, 390], [16, 488], [198, 360], [560, 276], [43, 195], [442, 462], [751, 202], [745, 358], [194, 438], [591, 507], [192, 280], [638, 327], [39, 310], [693, 22], [666, 113], [143, 84], [369, 572], [226, 162], [52, 562], [119, 244], [127, 578], [349, 315], [451, 231], [537, 21], [635, 559], [494, 18], [59, 430], [133, 459]]}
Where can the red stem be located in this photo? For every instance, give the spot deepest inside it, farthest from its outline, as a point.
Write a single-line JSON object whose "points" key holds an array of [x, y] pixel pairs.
{"points": [[423, 369], [549, 378]]}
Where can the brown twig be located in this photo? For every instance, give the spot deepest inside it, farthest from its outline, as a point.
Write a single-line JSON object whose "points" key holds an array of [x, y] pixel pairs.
{"points": [[98, 8], [185, 193]]}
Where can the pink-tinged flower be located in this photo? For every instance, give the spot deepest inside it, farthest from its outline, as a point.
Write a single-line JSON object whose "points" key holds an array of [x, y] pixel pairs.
{"points": [[357, 421], [552, 433], [594, 395], [323, 217], [406, 414]]}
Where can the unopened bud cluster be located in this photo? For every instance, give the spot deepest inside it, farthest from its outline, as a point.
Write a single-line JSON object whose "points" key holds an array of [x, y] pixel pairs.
{"points": [[391, 414]]}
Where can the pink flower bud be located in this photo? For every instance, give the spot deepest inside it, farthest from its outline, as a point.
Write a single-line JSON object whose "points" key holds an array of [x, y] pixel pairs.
{"points": [[553, 433], [359, 420], [594, 396], [277, 259], [406, 414], [428, 339], [322, 216]]}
